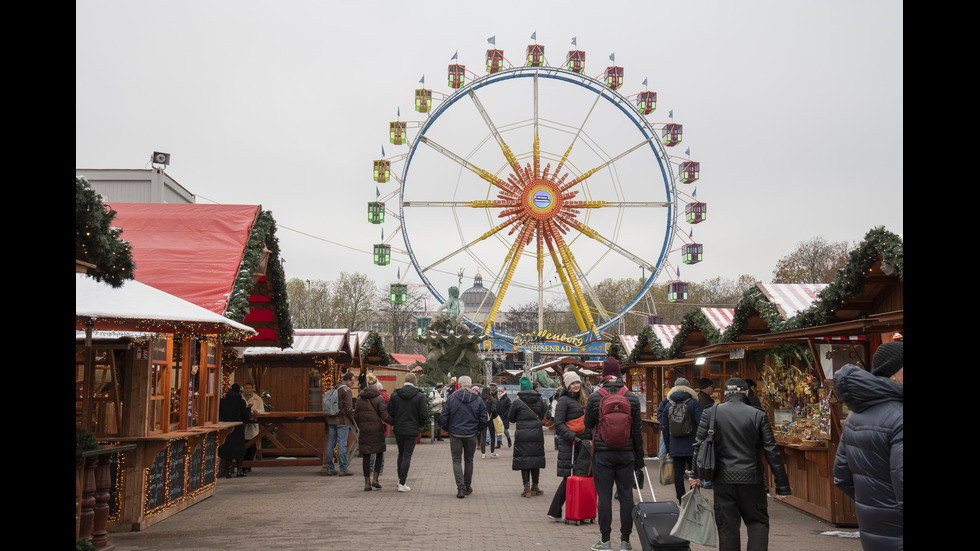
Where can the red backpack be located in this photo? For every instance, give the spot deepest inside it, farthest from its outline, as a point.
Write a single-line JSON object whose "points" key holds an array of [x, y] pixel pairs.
{"points": [[615, 418]]}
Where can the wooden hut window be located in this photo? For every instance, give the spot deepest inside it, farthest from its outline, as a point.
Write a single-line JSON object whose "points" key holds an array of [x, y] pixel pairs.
{"points": [[314, 391], [159, 386], [720, 371], [210, 383], [178, 389]]}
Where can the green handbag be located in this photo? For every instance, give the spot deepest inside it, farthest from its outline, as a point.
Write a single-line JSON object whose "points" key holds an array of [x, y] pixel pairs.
{"points": [[696, 520]]}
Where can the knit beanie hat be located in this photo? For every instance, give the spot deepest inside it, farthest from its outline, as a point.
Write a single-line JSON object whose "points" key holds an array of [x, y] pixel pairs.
{"points": [[704, 383], [736, 385], [888, 359], [681, 381], [525, 383], [571, 377], [610, 368]]}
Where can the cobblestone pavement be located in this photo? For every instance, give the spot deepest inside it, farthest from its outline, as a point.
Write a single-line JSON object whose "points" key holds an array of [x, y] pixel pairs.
{"points": [[294, 508]]}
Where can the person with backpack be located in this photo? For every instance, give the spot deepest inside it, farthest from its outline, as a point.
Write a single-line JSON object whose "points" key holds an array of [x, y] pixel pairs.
{"points": [[612, 417], [338, 407], [679, 416]]}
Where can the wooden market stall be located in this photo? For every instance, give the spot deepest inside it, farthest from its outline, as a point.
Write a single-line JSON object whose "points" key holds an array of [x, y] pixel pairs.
{"points": [[156, 386], [147, 370], [293, 429], [856, 314]]}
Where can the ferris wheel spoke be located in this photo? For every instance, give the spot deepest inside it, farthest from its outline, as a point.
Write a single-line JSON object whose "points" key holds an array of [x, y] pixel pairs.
{"points": [[485, 174], [566, 285], [514, 257], [615, 204], [589, 232], [569, 260], [476, 204], [508, 154], [487, 234], [585, 175], [584, 282], [568, 151]]}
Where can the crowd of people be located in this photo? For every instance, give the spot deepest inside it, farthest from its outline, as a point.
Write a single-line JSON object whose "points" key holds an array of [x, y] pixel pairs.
{"points": [[868, 465]]}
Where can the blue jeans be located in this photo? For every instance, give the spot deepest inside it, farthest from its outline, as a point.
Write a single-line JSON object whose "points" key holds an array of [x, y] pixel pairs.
{"points": [[337, 435]]}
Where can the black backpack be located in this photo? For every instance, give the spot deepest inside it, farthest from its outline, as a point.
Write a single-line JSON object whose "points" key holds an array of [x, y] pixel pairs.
{"points": [[681, 419]]}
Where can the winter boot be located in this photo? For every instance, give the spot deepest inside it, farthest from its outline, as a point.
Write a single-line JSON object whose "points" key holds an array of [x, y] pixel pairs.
{"points": [[527, 490], [535, 491], [374, 481], [367, 484]]}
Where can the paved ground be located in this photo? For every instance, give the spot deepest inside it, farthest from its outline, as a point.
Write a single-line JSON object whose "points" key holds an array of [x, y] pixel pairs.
{"points": [[294, 508]]}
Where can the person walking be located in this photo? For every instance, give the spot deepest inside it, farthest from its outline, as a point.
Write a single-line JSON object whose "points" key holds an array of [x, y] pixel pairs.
{"points": [[741, 432], [338, 426], [370, 414], [569, 411], [437, 397], [869, 463], [679, 416], [617, 452], [410, 412], [503, 409], [464, 416], [527, 413], [490, 436]]}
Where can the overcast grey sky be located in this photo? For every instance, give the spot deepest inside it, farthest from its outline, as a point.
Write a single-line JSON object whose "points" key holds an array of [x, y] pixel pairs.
{"points": [[793, 108]]}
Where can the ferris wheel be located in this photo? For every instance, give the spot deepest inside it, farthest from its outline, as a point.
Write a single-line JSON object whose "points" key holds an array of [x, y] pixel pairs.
{"points": [[545, 180]]}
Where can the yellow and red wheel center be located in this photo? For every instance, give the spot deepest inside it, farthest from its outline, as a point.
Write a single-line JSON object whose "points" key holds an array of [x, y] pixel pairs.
{"points": [[541, 199]]}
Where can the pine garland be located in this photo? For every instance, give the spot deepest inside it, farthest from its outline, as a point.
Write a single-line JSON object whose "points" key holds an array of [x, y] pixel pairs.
{"points": [[98, 242], [879, 243], [373, 340], [262, 235]]}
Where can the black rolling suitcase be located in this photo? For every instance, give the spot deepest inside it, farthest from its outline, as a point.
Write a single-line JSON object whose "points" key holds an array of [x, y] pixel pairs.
{"points": [[653, 521]]}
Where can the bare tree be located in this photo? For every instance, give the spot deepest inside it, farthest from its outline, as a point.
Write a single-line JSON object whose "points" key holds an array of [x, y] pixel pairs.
{"points": [[309, 303], [352, 299], [814, 261], [398, 322]]}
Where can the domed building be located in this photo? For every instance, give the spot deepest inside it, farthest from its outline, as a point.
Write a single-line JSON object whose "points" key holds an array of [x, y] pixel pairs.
{"points": [[477, 300]]}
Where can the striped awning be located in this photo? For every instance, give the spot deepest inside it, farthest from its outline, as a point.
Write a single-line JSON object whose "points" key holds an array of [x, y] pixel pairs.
{"points": [[720, 318], [665, 333], [791, 298]]}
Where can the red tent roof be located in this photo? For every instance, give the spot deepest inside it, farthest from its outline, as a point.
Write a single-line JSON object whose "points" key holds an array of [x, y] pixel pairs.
{"points": [[189, 250]]}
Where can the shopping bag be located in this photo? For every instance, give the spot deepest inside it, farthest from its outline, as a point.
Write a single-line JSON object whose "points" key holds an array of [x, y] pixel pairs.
{"points": [[498, 426], [666, 471], [696, 520]]}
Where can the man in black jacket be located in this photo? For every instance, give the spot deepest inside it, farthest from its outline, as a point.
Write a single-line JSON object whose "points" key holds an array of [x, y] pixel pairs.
{"points": [[408, 408], [612, 465], [739, 484]]}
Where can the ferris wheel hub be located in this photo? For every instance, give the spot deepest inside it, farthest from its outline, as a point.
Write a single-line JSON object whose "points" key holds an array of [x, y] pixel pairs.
{"points": [[541, 199]]}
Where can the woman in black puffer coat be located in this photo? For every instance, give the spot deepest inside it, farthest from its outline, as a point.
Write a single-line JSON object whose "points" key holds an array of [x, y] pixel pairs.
{"points": [[571, 405], [526, 413]]}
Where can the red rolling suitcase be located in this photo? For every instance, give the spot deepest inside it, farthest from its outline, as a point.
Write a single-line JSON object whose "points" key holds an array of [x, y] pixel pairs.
{"points": [[580, 498]]}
